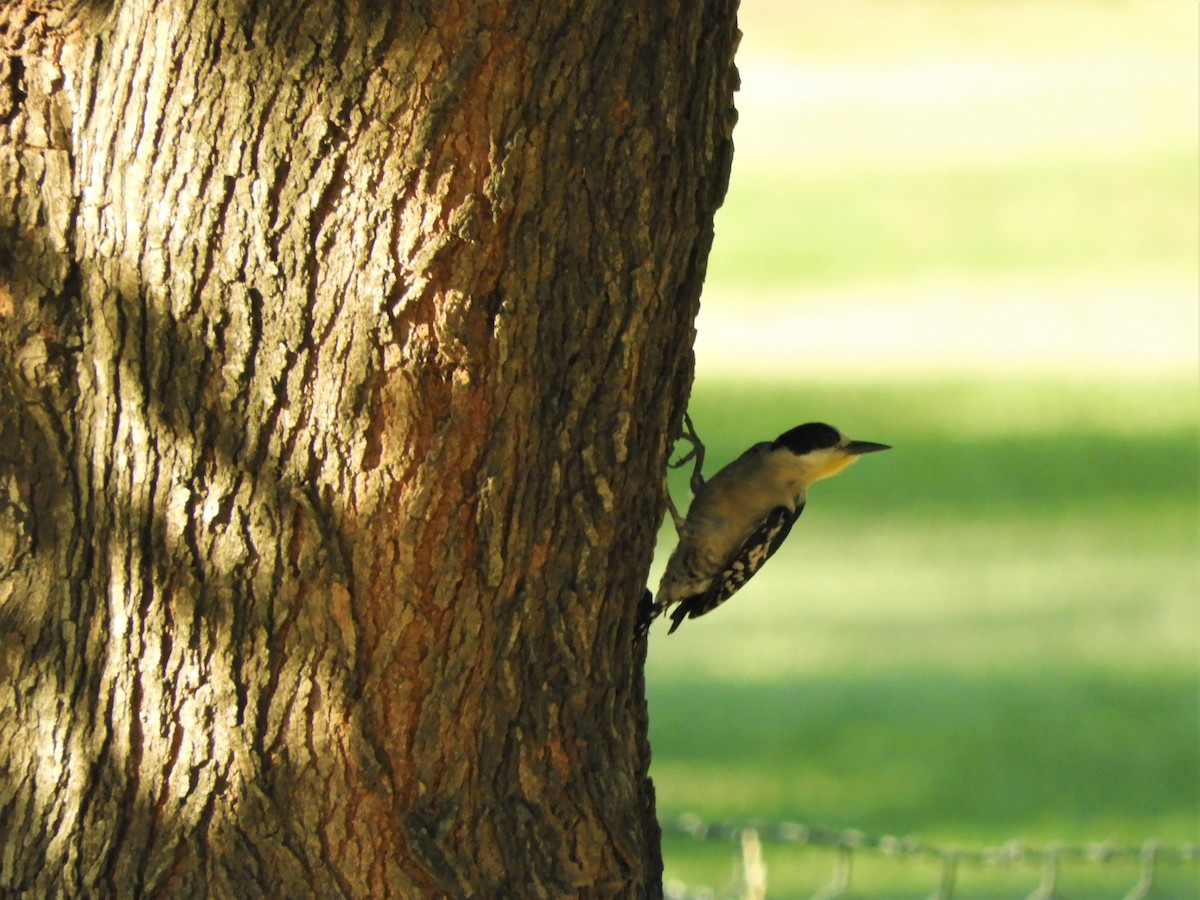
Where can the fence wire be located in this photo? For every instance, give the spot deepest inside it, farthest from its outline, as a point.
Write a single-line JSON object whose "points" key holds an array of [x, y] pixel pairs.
{"points": [[750, 881]]}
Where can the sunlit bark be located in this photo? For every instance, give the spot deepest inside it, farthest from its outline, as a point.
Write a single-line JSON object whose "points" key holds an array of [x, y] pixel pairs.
{"points": [[339, 348]]}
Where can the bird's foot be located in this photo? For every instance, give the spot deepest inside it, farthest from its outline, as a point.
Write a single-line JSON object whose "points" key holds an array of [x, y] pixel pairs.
{"points": [[696, 453]]}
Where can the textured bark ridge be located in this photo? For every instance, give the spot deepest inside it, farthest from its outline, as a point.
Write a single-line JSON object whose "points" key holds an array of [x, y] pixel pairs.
{"points": [[339, 348]]}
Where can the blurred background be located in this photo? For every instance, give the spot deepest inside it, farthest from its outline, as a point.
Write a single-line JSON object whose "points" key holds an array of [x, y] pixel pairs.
{"points": [[969, 229]]}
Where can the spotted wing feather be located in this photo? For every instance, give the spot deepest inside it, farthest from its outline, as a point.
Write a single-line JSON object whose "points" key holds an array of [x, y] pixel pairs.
{"points": [[755, 551]]}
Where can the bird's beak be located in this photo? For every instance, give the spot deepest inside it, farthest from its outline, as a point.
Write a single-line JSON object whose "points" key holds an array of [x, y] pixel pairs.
{"points": [[857, 448]]}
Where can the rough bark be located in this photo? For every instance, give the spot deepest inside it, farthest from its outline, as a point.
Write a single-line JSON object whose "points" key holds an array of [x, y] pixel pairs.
{"points": [[339, 349]]}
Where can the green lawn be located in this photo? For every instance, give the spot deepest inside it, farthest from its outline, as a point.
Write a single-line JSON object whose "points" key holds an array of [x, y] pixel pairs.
{"points": [[988, 632], [991, 631], [1041, 216]]}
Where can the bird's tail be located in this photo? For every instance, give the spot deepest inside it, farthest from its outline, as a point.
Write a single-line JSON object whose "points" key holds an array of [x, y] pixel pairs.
{"points": [[648, 611]]}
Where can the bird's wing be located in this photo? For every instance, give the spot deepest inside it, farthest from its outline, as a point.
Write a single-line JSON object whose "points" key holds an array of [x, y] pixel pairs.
{"points": [[751, 555]]}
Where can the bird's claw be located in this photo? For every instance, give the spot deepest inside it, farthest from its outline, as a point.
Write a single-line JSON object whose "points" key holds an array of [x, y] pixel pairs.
{"points": [[696, 453]]}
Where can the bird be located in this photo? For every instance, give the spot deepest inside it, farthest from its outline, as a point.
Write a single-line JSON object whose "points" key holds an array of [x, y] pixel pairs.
{"points": [[741, 516]]}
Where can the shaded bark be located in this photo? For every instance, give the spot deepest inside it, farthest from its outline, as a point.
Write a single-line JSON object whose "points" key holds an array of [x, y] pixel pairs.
{"points": [[339, 349]]}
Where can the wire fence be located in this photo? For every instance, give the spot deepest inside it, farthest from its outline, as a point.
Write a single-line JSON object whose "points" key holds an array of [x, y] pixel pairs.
{"points": [[846, 846]]}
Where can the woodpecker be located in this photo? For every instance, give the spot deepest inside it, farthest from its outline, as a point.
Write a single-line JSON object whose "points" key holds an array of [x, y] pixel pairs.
{"points": [[740, 516]]}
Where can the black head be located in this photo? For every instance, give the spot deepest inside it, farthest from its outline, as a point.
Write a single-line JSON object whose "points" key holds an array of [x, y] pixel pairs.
{"points": [[811, 436]]}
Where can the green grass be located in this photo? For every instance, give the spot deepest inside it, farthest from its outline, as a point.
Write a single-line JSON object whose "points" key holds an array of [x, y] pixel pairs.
{"points": [[1042, 751], [801, 872], [1041, 216], [991, 448], [991, 631], [988, 632], [875, 30]]}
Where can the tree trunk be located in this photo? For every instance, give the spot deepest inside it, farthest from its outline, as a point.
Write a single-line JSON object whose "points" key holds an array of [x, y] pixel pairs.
{"points": [[340, 345]]}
